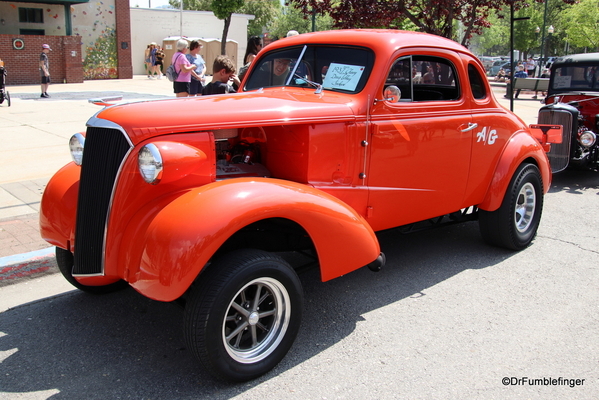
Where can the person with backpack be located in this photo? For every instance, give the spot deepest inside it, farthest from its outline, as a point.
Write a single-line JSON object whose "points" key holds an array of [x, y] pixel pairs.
{"points": [[183, 68]]}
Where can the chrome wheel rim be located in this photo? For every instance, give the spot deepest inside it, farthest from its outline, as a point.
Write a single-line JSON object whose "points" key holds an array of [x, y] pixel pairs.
{"points": [[256, 320], [525, 207]]}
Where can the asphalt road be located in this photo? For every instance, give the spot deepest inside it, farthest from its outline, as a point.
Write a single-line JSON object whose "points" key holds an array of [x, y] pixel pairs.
{"points": [[448, 318]]}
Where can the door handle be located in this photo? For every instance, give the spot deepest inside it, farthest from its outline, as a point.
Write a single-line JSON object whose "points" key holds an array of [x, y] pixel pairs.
{"points": [[471, 126]]}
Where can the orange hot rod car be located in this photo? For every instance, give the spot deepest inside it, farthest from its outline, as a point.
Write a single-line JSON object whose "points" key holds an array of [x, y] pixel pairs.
{"points": [[331, 137]]}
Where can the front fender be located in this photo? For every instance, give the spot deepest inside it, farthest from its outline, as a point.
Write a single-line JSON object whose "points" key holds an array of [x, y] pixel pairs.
{"points": [[58, 207], [186, 233], [520, 147]]}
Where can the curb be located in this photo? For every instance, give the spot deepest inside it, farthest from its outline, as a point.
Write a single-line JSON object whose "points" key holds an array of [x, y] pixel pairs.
{"points": [[27, 265]]}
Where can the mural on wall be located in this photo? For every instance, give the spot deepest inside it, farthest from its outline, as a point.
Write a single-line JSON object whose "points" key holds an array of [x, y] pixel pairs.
{"points": [[101, 58], [95, 24]]}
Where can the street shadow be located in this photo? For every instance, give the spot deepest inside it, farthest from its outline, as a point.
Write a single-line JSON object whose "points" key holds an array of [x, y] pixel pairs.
{"points": [[127, 346], [575, 181]]}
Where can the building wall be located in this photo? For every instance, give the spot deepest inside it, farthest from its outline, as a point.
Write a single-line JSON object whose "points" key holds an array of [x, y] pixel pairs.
{"points": [[155, 25], [108, 39], [101, 41], [22, 66]]}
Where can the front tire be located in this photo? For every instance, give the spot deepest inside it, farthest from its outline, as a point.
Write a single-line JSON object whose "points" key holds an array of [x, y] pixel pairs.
{"points": [[64, 259], [514, 224], [244, 314]]}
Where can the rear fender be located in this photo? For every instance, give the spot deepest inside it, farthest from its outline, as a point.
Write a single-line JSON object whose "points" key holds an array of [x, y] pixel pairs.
{"points": [[520, 147], [186, 233]]}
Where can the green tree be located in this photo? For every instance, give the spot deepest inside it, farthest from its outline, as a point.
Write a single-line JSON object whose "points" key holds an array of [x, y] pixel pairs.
{"points": [[581, 24], [223, 9], [196, 5], [526, 38], [293, 19], [438, 17], [264, 12]]}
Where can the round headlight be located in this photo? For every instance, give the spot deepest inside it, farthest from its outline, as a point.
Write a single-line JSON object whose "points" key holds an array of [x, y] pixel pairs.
{"points": [[587, 138], [149, 161], [76, 145]]}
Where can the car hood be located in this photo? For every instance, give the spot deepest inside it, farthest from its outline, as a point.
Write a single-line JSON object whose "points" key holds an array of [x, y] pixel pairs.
{"points": [[145, 119]]}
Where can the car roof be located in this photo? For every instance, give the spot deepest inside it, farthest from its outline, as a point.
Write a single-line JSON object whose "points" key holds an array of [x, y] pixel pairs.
{"points": [[384, 40], [578, 58]]}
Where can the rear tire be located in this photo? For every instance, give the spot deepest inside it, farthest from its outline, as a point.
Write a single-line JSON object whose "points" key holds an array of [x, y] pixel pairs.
{"points": [[514, 224], [64, 259], [244, 314]]}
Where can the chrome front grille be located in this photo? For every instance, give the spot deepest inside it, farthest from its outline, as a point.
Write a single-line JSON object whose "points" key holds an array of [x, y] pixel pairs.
{"points": [[559, 156], [105, 150]]}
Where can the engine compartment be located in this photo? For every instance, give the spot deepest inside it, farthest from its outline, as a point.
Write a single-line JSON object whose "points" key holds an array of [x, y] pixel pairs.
{"points": [[236, 157]]}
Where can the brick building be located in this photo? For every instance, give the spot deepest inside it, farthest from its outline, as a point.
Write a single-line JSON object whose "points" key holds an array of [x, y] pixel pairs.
{"points": [[89, 40]]}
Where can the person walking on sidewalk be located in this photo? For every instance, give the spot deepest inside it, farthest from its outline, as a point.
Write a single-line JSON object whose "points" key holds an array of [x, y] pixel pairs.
{"points": [[45, 70]]}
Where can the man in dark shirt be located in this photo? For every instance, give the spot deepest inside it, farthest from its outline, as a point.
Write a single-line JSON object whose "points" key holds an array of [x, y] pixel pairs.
{"points": [[223, 70]]}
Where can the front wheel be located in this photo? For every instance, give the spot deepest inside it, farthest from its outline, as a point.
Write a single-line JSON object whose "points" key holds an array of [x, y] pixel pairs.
{"points": [[244, 314], [64, 259], [514, 224]]}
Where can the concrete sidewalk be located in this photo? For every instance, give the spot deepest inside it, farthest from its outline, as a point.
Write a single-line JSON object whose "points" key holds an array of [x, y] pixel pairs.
{"points": [[35, 145], [35, 134]]}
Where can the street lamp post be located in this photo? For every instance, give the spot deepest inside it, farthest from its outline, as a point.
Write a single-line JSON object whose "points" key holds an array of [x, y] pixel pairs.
{"points": [[550, 31], [510, 92], [537, 32], [542, 60]]}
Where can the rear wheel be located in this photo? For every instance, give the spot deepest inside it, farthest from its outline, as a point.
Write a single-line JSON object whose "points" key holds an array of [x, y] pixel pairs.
{"points": [[64, 259], [514, 224], [244, 314]]}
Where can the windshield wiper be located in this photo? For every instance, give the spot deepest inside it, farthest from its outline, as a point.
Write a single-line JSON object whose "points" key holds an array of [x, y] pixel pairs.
{"points": [[301, 80]]}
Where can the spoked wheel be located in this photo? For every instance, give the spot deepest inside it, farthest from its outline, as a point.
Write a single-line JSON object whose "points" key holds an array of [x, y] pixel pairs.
{"points": [[244, 314], [64, 259], [514, 224]]}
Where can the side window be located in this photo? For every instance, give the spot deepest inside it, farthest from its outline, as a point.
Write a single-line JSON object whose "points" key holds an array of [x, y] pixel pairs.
{"points": [[435, 79], [400, 75], [477, 85], [424, 78]]}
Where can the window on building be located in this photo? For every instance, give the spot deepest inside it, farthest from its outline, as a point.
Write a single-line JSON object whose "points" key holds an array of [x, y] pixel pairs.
{"points": [[34, 15], [38, 32]]}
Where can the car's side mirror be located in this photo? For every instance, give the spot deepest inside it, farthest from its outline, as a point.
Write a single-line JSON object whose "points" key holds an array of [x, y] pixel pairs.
{"points": [[392, 94]]}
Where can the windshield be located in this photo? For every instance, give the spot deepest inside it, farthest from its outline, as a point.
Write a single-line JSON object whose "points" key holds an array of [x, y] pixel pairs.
{"points": [[577, 78], [343, 69]]}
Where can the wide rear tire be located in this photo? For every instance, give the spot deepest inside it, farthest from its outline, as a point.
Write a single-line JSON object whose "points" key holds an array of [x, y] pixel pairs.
{"points": [[243, 315], [514, 224]]}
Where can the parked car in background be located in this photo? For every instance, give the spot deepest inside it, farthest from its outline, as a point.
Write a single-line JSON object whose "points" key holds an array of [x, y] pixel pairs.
{"points": [[210, 201], [497, 65], [488, 61], [573, 102]]}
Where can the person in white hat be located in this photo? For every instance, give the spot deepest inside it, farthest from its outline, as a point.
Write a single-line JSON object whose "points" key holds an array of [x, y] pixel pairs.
{"points": [[45, 70]]}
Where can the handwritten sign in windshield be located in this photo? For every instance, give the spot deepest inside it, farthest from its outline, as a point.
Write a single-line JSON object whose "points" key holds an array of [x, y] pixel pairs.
{"points": [[562, 82], [343, 76]]}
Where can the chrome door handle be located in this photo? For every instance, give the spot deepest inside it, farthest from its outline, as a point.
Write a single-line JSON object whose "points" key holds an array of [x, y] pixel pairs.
{"points": [[471, 126]]}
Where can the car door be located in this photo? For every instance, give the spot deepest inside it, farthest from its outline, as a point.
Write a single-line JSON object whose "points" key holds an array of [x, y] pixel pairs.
{"points": [[419, 148]]}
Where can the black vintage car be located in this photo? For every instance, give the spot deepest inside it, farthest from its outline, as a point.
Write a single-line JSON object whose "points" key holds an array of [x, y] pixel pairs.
{"points": [[573, 102]]}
